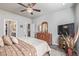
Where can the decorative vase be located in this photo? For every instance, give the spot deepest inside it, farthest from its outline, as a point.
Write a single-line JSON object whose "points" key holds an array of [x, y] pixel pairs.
{"points": [[69, 52]]}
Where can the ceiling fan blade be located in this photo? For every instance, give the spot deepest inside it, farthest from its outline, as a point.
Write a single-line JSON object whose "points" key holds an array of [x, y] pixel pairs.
{"points": [[22, 5], [23, 10], [37, 10]]}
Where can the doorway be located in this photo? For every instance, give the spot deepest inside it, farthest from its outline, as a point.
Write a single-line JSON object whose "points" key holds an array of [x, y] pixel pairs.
{"points": [[10, 28]]}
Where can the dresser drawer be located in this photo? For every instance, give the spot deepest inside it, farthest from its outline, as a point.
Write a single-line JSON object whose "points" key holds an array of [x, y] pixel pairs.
{"points": [[45, 36]]}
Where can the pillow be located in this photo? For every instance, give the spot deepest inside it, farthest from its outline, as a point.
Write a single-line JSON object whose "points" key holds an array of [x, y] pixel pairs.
{"points": [[14, 40], [1, 42], [7, 40]]}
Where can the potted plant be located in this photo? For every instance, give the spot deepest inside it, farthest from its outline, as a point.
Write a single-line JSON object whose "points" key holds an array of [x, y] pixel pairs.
{"points": [[70, 42]]}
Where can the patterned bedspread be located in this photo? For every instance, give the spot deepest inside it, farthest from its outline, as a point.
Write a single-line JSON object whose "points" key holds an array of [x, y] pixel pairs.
{"points": [[21, 49]]}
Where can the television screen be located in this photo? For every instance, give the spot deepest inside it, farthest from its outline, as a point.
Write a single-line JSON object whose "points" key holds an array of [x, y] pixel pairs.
{"points": [[66, 29]]}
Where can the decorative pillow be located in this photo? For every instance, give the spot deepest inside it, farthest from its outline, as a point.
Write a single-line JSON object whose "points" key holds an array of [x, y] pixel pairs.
{"points": [[14, 40], [1, 42], [7, 40]]}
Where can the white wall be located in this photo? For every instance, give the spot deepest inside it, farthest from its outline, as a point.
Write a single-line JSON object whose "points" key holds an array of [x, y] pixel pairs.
{"points": [[77, 15], [54, 19], [77, 22], [21, 32]]}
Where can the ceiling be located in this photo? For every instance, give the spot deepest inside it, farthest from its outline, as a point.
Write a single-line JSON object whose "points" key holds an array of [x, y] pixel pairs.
{"points": [[44, 7]]}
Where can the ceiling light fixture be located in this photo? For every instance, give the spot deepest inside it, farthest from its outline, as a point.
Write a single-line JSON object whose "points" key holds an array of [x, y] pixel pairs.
{"points": [[29, 10]]}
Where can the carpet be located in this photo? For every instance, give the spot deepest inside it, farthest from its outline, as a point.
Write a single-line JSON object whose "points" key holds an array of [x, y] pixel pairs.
{"points": [[56, 52]]}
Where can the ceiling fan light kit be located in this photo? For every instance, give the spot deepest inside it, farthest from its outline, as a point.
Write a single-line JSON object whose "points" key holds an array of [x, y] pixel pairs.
{"points": [[29, 10]]}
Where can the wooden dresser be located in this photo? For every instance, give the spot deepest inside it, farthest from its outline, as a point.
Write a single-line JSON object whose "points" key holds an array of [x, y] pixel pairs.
{"points": [[45, 36]]}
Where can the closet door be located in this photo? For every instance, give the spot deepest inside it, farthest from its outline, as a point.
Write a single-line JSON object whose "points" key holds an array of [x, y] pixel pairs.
{"points": [[31, 30]]}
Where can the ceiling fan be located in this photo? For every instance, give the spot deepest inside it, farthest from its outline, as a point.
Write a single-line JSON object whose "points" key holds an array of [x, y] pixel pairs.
{"points": [[29, 8]]}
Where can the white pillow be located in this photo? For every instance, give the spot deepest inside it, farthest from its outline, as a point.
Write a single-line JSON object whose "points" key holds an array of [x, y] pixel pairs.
{"points": [[14, 40], [1, 42], [7, 40]]}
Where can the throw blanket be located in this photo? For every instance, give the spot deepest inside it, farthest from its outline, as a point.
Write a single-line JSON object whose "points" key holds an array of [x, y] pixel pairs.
{"points": [[21, 49]]}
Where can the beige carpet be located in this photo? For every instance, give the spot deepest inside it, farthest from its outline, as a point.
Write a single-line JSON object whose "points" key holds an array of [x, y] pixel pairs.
{"points": [[55, 52]]}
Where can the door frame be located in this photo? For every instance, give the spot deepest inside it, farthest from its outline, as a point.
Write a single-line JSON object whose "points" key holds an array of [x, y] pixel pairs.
{"points": [[5, 26]]}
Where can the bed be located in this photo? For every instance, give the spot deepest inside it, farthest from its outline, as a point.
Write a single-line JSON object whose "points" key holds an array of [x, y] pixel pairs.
{"points": [[26, 47], [41, 46]]}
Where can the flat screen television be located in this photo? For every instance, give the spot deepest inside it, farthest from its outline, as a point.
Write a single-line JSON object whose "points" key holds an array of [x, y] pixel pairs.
{"points": [[66, 29]]}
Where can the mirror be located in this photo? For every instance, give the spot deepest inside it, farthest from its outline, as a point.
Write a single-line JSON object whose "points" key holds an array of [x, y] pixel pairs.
{"points": [[44, 26]]}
